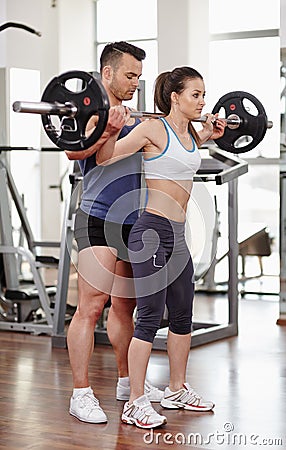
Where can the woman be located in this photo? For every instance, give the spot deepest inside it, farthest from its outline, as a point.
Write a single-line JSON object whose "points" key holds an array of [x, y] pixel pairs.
{"points": [[161, 262]]}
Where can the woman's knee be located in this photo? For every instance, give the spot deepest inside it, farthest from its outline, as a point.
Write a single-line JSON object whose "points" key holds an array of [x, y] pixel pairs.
{"points": [[147, 327], [180, 317], [145, 334], [181, 327]]}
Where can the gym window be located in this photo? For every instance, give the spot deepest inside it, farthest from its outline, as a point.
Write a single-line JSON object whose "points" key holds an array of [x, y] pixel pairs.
{"points": [[135, 22]]}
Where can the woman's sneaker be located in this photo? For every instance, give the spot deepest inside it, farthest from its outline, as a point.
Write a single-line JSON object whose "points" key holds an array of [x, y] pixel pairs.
{"points": [[154, 394], [142, 414], [185, 398], [85, 407]]}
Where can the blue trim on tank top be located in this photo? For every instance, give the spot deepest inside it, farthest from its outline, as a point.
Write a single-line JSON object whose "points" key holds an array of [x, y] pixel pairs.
{"points": [[167, 126], [165, 149], [193, 141]]}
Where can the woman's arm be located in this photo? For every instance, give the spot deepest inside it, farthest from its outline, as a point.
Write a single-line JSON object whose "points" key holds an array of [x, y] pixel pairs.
{"points": [[212, 129], [113, 150]]}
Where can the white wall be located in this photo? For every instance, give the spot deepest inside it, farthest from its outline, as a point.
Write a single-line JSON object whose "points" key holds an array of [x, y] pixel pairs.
{"points": [[76, 35], [183, 34], [172, 34], [66, 43]]}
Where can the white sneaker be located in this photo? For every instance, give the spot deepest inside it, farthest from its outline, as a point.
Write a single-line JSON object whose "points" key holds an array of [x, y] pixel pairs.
{"points": [[185, 398], [142, 414], [86, 408], [154, 394]]}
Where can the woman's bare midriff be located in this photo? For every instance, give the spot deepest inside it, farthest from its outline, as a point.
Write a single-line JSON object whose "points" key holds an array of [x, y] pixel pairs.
{"points": [[169, 198]]}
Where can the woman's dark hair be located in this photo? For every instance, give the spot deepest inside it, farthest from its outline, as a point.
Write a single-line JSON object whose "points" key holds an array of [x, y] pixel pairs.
{"points": [[174, 81], [112, 53]]}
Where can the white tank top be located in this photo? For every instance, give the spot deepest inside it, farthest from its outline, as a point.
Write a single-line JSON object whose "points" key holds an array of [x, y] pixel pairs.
{"points": [[175, 162]]}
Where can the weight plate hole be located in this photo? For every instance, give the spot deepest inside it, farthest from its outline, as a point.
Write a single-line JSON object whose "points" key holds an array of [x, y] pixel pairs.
{"points": [[54, 125], [250, 107], [221, 113], [243, 141], [75, 85]]}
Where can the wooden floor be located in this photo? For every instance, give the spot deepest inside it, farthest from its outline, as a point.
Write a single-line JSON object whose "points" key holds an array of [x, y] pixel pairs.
{"points": [[245, 376]]}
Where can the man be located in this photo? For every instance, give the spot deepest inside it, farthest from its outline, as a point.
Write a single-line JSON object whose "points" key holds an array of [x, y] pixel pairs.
{"points": [[109, 207]]}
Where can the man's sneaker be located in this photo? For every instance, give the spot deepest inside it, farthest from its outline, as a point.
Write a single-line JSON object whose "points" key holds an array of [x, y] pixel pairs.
{"points": [[154, 394], [86, 408], [142, 414], [185, 398]]}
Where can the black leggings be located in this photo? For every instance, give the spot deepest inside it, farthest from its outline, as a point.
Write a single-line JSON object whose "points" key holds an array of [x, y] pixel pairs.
{"points": [[163, 275]]}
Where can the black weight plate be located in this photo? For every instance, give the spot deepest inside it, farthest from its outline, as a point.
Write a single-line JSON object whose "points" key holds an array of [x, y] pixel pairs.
{"points": [[253, 126], [90, 99]]}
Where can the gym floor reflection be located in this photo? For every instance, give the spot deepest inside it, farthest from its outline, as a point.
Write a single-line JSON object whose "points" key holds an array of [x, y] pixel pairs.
{"points": [[245, 376]]}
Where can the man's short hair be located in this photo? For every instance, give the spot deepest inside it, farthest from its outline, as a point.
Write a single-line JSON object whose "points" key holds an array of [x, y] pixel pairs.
{"points": [[112, 53]]}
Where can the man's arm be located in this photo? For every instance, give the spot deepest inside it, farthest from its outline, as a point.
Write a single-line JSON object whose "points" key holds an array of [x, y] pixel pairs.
{"points": [[83, 154], [112, 127]]}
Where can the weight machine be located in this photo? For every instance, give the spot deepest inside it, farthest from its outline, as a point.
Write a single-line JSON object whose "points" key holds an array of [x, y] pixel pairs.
{"points": [[220, 168], [21, 298], [27, 303]]}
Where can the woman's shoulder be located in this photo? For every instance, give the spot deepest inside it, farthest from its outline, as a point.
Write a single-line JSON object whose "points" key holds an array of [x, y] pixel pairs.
{"points": [[155, 124]]}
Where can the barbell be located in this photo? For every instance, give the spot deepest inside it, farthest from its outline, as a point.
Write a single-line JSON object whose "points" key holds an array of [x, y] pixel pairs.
{"points": [[73, 107]]}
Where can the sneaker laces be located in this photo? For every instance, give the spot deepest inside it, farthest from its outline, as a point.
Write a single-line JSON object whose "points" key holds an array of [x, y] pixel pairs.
{"points": [[190, 396], [141, 410], [144, 413], [89, 401]]}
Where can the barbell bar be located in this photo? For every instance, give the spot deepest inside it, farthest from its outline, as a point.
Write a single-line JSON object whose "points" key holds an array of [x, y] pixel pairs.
{"points": [[74, 108], [69, 110], [232, 120]]}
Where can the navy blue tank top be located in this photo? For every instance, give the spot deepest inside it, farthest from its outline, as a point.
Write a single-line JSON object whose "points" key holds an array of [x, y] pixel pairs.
{"points": [[113, 192]]}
